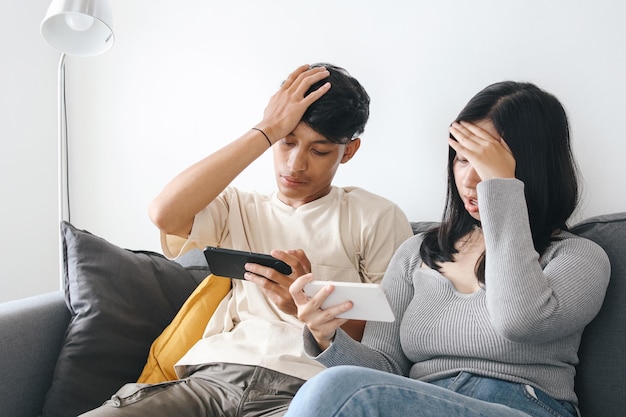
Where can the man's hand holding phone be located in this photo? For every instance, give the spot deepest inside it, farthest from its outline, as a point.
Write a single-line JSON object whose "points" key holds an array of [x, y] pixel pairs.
{"points": [[274, 273], [274, 284]]}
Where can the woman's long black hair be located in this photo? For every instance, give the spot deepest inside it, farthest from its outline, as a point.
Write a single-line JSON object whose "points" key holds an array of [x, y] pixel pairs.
{"points": [[534, 125]]}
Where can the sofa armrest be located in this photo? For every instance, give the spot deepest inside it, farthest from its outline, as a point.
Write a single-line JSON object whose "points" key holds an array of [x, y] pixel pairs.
{"points": [[31, 333]]}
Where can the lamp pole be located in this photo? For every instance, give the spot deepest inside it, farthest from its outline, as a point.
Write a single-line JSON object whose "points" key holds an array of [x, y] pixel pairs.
{"points": [[62, 148], [80, 28]]}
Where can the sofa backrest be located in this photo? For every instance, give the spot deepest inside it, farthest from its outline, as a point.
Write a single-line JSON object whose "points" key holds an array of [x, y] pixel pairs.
{"points": [[601, 374]]}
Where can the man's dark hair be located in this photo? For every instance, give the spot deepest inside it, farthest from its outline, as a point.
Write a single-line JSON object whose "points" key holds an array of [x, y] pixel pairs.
{"points": [[339, 115]]}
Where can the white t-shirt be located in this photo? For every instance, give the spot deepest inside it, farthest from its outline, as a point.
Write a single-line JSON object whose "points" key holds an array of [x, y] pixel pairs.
{"points": [[348, 235]]}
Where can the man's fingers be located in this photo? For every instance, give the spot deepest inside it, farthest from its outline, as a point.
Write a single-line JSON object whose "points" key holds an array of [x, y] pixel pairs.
{"points": [[296, 259], [291, 78]]}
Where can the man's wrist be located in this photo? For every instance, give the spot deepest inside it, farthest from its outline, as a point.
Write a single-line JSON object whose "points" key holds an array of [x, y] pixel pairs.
{"points": [[264, 134]]}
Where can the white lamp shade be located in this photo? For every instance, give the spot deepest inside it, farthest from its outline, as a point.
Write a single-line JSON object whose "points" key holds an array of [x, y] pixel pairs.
{"points": [[79, 27]]}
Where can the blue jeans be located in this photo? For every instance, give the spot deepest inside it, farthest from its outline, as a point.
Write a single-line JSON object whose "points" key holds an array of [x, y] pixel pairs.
{"points": [[351, 391]]}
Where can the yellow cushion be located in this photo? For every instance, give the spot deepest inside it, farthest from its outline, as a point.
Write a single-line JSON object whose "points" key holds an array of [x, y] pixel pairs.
{"points": [[184, 331]]}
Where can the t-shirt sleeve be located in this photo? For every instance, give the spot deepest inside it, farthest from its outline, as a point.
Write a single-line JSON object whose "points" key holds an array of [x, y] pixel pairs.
{"points": [[380, 243], [210, 226]]}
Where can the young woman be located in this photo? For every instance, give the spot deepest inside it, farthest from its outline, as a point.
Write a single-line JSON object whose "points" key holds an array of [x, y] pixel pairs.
{"points": [[490, 305]]}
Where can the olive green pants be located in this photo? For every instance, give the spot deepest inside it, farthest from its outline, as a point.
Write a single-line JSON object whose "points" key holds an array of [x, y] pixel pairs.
{"points": [[214, 390]]}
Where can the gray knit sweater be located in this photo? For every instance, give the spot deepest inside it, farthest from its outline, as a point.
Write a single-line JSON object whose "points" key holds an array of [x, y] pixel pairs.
{"points": [[524, 326]]}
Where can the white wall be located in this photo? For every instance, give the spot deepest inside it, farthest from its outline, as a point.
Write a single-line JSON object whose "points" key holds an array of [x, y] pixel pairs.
{"points": [[28, 205], [185, 77]]}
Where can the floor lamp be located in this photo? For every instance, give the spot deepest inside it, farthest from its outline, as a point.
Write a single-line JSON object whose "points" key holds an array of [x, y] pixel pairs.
{"points": [[80, 28]]}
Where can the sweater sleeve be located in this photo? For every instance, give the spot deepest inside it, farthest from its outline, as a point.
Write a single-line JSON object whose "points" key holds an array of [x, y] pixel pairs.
{"points": [[532, 299]]}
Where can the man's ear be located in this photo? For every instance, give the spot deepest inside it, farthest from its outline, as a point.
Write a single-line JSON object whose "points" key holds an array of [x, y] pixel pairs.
{"points": [[350, 149]]}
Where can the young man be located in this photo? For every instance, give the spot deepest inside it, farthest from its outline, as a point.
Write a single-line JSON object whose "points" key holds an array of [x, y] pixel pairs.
{"points": [[250, 361]]}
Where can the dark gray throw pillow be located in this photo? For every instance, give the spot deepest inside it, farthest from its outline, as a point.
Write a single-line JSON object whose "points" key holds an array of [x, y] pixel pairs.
{"points": [[120, 301]]}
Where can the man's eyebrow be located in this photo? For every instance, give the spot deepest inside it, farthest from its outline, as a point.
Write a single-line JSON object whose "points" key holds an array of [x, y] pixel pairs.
{"points": [[321, 141], [324, 142]]}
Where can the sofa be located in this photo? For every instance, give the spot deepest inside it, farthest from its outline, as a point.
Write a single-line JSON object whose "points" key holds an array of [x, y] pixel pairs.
{"points": [[67, 351]]}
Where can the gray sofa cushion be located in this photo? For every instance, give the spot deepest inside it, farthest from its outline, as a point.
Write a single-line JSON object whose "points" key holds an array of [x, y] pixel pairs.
{"points": [[601, 374], [120, 301], [31, 333]]}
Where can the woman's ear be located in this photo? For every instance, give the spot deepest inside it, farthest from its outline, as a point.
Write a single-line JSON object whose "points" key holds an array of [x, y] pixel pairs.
{"points": [[350, 149]]}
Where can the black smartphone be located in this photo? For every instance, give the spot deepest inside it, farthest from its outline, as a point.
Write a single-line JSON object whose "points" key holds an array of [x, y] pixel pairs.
{"points": [[230, 263]]}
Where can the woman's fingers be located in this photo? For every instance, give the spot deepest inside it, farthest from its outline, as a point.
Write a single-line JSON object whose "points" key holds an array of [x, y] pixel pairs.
{"points": [[296, 289], [310, 306], [472, 136], [323, 324], [486, 151]]}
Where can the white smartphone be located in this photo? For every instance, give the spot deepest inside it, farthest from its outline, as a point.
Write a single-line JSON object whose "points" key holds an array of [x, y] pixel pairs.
{"points": [[369, 300]]}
